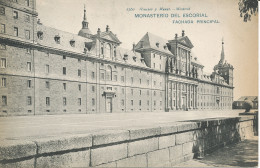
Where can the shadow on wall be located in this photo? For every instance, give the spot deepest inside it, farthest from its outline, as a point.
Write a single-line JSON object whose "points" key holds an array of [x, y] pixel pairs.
{"points": [[217, 133], [243, 154]]}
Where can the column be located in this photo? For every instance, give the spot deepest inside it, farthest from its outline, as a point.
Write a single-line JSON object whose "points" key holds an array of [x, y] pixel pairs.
{"points": [[196, 97], [176, 96]]}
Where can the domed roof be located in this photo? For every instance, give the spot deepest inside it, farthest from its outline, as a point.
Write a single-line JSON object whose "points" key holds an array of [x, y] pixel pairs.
{"points": [[84, 32]]}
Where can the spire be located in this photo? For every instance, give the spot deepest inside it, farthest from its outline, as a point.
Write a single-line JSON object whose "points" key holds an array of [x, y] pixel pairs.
{"points": [[84, 22], [85, 18], [85, 32], [222, 52]]}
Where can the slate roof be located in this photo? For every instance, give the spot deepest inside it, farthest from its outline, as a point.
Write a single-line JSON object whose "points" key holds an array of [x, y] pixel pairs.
{"points": [[150, 40], [251, 98]]}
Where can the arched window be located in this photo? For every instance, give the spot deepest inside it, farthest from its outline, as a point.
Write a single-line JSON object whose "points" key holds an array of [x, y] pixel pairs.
{"points": [[108, 51], [109, 72]]}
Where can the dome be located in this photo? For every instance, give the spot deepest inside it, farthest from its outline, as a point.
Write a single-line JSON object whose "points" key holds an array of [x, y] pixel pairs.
{"points": [[84, 32]]}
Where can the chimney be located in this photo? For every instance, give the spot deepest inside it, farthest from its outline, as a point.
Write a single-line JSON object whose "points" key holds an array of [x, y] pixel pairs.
{"points": [[176, 36], [133, 47], [98, 32], [183, 34], [107, 28]]}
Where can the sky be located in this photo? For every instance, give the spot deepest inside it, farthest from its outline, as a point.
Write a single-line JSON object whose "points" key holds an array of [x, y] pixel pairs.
{"points": [[240, 38]]}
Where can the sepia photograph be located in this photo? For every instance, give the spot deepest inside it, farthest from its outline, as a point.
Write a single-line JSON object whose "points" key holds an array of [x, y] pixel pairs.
{"points": [[128, 83]]}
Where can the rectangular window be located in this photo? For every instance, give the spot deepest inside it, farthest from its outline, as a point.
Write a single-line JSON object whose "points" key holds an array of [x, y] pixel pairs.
{"points": [[93, 102], [148, 82], [122, 78], [2, 28], [160, 66], [27, 2], [4, 100], [140, 102], [47, 69], [27, 34], [140, 81], [132, 92], [29, 83], [93, 88], [132, 80], [27, 18], [2, 11], [140, 92], [64, 57], [3, 82], [79, 73], [79, 87], [93, 75], [122, 102], [79, 101], [123, 91], [47, 84], [47, 101], [64, 70], [29, 100], [154, 65], [15, 15], [102, 76], [132, 102], [148, 102], [154, 103], [154, 93], [29, 66], [64, 86], [15, 31], [28, 51], [148, 92], [64, 101], [154, 83]]}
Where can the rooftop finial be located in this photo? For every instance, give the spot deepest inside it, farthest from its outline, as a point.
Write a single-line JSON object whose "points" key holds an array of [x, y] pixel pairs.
{"points": [[85, 18]]}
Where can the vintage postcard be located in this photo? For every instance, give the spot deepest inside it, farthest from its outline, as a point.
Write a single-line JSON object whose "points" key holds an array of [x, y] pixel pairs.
{"points": [[128, 83]]}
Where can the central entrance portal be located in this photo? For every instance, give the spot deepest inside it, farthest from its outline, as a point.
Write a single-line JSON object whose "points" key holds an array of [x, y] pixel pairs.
{"points": [[183, 103], [109, 105]]}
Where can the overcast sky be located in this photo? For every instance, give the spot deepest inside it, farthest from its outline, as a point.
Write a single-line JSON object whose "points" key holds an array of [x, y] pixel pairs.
{"points": [[240, 38]]}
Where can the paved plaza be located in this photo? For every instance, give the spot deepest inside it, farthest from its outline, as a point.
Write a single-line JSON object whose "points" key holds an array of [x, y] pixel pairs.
{"points": [[30, 127]]}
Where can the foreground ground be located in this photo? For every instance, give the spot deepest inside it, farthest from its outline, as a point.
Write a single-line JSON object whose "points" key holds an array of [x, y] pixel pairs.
{"points": [[29, 127], [242, 154]]}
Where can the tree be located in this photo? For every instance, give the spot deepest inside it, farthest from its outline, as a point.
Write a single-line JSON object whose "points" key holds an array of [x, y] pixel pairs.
{"points": [[248, 105], [248, 8]]}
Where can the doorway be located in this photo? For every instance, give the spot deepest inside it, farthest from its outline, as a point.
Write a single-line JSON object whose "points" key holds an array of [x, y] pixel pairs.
{"points": [[183, 103], [109, 105]]}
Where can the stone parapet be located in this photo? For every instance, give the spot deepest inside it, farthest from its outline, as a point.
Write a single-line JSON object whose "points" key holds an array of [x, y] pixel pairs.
{"points": [[161, 145]]}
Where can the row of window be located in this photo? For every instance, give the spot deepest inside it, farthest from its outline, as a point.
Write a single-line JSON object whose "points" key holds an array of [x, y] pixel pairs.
{"points": [[48, 101], [15, 31], [140, 102]]}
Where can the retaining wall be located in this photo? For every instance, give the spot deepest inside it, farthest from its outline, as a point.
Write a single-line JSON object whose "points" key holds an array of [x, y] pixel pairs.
{"points": [[158, 146]]}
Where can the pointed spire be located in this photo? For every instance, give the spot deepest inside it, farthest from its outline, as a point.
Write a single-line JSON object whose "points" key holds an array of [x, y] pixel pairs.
{"points": [[222, 52], [85, 22]]}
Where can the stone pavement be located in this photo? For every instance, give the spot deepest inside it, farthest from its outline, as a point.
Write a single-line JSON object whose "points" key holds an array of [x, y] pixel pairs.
{"points": [[242, 154], [30, 127]]}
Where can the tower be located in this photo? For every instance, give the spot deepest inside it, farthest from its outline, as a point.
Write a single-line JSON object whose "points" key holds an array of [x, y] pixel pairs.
{"points": [[223, 68], [85, 32]]}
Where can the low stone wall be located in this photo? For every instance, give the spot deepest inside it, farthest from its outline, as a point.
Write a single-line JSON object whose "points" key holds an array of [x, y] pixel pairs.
{"points": [[159, 146]]}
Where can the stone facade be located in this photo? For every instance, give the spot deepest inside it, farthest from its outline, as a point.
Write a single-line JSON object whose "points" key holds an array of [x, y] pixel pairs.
{"points": [[48, 71]]}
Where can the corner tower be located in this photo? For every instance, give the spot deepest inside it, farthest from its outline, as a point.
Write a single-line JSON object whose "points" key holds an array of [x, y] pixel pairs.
{"points": [[224, 69]]}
